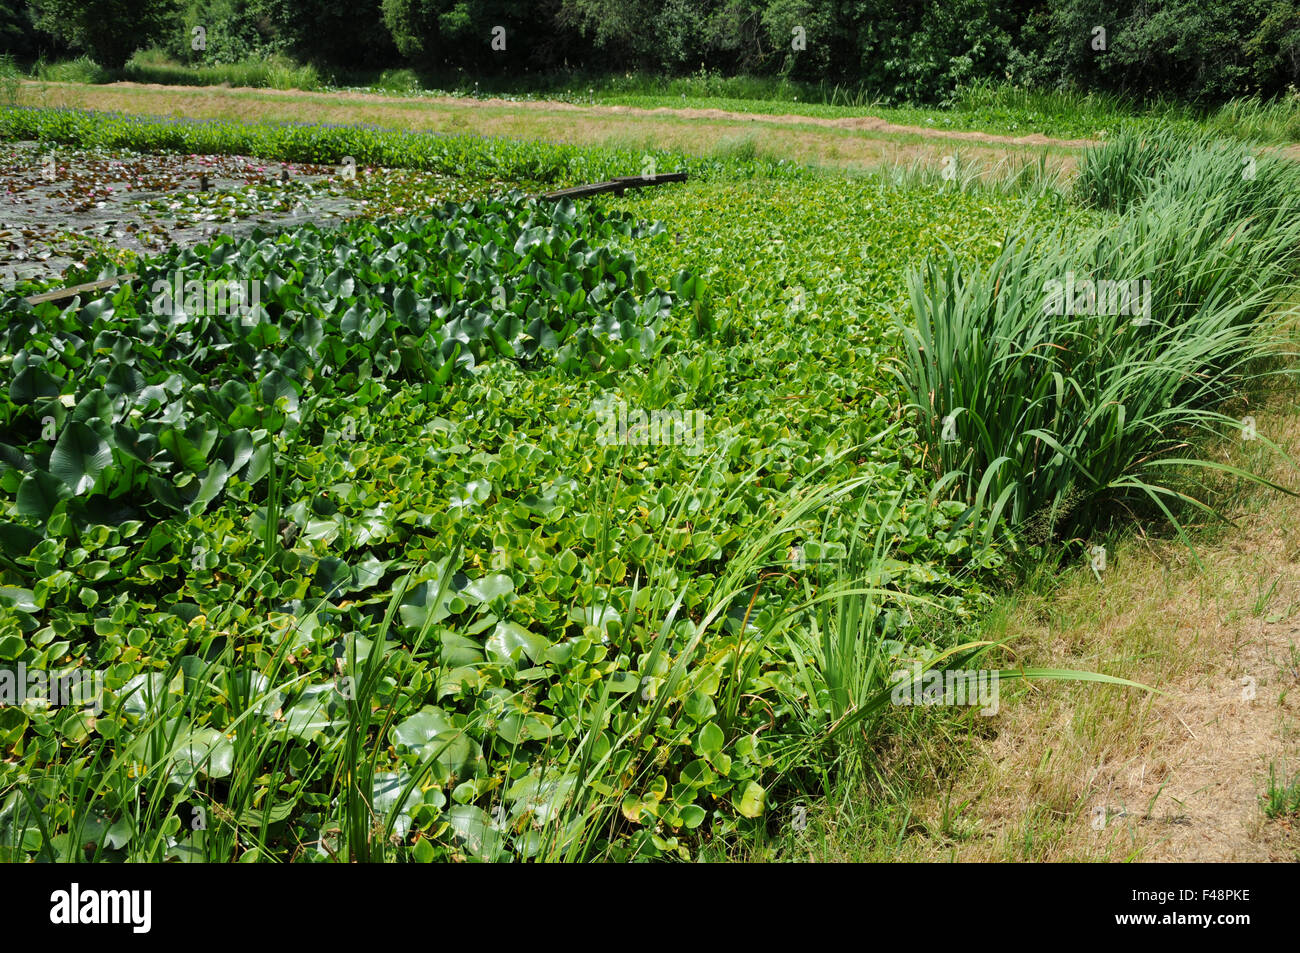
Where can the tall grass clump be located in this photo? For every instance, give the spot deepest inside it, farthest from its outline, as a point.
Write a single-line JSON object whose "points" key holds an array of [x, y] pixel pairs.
{"points": [[10, 77], [1184, 166], [81, 70], [1272, 120], [265, 72], [1021, 176], [1044, 396]]}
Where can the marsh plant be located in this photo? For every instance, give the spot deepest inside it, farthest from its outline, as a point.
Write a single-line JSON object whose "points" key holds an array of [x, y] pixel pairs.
{"points": [[1041, 414]]}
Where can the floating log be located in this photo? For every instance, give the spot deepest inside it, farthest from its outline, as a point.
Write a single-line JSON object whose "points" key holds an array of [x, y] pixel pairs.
{"points": [[618, 186], [75, 290]]}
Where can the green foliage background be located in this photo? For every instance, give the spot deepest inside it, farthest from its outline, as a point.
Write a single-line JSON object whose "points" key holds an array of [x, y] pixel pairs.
{"points": [[919, 52]]}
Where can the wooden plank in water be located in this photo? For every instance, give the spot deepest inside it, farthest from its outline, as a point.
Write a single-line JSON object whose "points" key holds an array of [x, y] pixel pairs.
{"points": [[75, 290], [618, 185]]}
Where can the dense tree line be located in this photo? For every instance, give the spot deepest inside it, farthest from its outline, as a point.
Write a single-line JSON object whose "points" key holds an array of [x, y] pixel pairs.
{"points": [[919, 50]]}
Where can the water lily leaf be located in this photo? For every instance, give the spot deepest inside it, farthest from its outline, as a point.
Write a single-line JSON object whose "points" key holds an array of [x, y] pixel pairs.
{"points": [[272, 813], [11, 458], [418, 602], [190, 446], [32, 383], [368, 573], [21, 599], [489, 587], [209, 486], [235, 450], [404, 305], [545, 797], [94, 406], [119, 835], [313, 712], [509, 640], [473, 827], [17, 540], [137, 444], [518, 727], [387, 791], [147, 693], [206, 751], [601, 617], [430, 730]]}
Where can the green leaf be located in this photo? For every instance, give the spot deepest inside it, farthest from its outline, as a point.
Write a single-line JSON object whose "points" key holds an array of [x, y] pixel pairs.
{"points": [[431, 733], [119, 835], [404, 305], [187, 446], [709, 741], [489, 587], [39, 494], [32, 383], [509, 640], [693, 816], [17, 540], [205, 750], [79, 457], [271, 812], [752, 800], [474, 828], [22, 599]]}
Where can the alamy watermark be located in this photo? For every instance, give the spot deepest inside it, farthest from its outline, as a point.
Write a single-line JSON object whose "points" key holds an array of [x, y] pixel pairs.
{"points": [[636, 427], [127, 907], [214, 297], [973, 687], [78, 687], [1085, 296]]}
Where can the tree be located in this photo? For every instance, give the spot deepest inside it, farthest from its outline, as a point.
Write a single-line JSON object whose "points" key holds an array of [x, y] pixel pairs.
{"points": [[17, 32], [326, 32], [109, 30]]}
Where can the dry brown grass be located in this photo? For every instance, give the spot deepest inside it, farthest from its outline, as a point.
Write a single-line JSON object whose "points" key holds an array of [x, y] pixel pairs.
{"points": [[1078, 772]]}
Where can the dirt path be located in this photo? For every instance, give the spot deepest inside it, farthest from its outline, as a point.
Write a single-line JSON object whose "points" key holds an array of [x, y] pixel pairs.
{"points": [[1083, 773]]}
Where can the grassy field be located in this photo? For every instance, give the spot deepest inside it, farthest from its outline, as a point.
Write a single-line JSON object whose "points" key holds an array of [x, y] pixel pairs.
{"points": [[852, 143], [503, 530], [997, 109]]}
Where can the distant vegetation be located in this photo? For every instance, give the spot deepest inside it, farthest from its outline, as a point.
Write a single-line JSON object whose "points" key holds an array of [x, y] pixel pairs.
{"points": [[864, 50]]}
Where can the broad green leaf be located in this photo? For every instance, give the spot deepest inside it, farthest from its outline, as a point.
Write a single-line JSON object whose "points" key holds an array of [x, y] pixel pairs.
{"points": [[79, 457], [752, 800], [510, 640], [39, 494]]}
